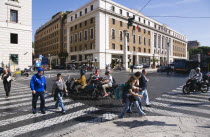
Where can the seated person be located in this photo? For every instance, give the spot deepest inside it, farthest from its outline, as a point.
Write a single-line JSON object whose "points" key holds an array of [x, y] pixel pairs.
{"points": [[81, 81], [107, 83]]}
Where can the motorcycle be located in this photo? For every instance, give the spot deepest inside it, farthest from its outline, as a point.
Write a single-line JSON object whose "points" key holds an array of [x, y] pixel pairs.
{"points": [[89, 91], [192, 86], [24, 73]]}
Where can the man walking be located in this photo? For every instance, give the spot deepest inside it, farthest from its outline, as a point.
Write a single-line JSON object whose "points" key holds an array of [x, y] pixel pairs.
{"points": [[143, 85], [38, 87]]}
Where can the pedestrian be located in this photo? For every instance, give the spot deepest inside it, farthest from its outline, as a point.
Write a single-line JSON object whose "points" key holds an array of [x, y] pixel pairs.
{"points": [[38, 87], [168, 69], [6, 77], [131, 67], [59, 88], [143, 85], [129, 96]]}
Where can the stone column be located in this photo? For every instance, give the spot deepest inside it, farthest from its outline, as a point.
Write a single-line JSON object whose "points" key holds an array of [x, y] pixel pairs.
{"points": [[125, 51]]}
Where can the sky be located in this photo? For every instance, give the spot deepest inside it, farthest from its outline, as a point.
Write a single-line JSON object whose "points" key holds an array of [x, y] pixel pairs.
{"points": [[193, 28]]}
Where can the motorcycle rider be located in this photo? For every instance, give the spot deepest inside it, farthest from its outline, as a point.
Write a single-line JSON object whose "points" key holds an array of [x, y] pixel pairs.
{"points": [[107, 83], [81, 81], [198, 77]]}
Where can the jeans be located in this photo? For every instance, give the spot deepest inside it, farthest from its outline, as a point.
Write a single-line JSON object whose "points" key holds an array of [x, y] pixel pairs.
{"points": [[136, 103], [131, 104], [35, 98], [7, 87], [145, 95], [59, 101]]}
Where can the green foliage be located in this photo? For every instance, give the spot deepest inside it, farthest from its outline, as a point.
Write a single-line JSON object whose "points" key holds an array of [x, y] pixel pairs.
{"points": [[200, 50]]}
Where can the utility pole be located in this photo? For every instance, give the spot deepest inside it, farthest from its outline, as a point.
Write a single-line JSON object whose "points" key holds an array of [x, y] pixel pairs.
{"points": [[125, 50]]}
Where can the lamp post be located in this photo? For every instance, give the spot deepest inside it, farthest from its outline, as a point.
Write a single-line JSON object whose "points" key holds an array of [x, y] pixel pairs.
{"points": [[50, 61]]}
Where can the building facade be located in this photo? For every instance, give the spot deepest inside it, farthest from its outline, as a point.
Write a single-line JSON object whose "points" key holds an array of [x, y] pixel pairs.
{"points": [[16, 33], [50, 39], [95, 34], [193, 44]]}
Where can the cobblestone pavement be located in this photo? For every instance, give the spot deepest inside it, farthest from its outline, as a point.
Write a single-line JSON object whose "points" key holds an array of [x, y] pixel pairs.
{"points": [[16, 118]]}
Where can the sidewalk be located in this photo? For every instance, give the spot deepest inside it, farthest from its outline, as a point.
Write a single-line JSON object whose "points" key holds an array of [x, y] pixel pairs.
{"points": [[148, 126]]}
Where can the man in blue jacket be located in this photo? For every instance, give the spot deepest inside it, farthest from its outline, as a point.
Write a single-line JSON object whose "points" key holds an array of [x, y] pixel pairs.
{"points": [[38, 87], [143, 85]]}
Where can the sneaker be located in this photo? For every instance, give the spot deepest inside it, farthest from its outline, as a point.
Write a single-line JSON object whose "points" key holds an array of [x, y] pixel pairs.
{"points": [[106, 95], [129, 111], [63, 112], [142, 114], [120, 116], [43, 112]]}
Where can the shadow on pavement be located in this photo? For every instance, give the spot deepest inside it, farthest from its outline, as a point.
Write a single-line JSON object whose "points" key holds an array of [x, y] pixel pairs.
{"points": [[135, 123]]}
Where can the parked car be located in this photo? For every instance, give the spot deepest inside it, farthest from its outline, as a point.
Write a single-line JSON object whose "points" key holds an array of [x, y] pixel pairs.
{"points": [[146, 66], [140, 66], [162, 69], [1, 70]]}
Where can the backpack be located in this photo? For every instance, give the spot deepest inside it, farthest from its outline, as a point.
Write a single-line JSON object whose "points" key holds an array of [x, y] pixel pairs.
{"points": [[119, 93]]}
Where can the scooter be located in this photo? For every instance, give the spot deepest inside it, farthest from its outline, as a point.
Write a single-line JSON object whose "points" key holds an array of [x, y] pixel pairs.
{"points": [[192, 86], [24, 73]]}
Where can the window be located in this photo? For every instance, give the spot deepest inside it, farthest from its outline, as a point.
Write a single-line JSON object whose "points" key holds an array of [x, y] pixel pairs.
{"points": [[75, 48], [148, 23], [75, 37], [14, 58], [85, 35], [139, 19], [121, 11], [121, 47], [149, 42], [149, 50], [91, 45], [75, 27], [13, 38], [113, 21], [80, 57], [144, 21], [127, 14], [85, 23], [139, 39], [80, 36], [91, 7], [85, 46], [134, 17], [71, 18], [75, 16], [128, 37], [155, 40], [71, 49], [91, 33], [91, 20], [128, 48], [80, 13], [14, 0], [139, 49], [134, 39], [80, 25], [113, 34], [144, 50], [85, 10], [113, 8], [121, 23], [121, 35], [113, 46], [134, 48], [14, 16], [144, 41], [144, 31], [148, 32]]}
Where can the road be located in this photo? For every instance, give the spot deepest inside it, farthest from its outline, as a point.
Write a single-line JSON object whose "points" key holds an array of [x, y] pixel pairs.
{"points": [[164, 90]]}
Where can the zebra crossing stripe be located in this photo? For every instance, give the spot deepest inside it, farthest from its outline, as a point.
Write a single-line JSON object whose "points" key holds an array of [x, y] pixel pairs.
{"points": [[18, 96], [47, 123], [185, 97], [28, 116], [193, 109]]}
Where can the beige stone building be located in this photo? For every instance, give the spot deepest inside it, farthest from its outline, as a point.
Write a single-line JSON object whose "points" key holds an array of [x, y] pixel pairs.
{"points": [[95, 33]]}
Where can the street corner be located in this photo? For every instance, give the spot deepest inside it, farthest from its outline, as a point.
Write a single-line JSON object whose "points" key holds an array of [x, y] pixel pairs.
{"points": [[149, 126]]}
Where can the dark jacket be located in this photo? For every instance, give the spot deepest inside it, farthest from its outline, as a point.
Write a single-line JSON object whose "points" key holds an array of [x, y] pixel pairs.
{"points": [[38, 83], [143, 82], [5, 78]]}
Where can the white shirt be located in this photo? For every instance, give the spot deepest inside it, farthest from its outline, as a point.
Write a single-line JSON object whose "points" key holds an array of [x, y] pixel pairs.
{"points": [[109, 77]]}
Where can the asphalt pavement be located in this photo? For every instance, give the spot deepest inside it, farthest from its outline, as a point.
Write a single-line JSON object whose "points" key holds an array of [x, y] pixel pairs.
{"points": [[165, 93]]}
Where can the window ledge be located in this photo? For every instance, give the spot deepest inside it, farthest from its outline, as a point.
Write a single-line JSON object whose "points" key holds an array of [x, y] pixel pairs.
{"points": [[13, 3]]}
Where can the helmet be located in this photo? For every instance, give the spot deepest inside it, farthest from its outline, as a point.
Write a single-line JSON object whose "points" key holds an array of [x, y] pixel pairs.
{"points": [[198, 68], [82, 72]]}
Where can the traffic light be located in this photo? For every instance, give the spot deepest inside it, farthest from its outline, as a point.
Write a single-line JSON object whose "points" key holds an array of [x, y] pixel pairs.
{"points": [[130, 21]]}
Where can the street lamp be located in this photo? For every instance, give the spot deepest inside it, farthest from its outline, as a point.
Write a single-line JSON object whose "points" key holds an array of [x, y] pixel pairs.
{"points": [[50, 61]]}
